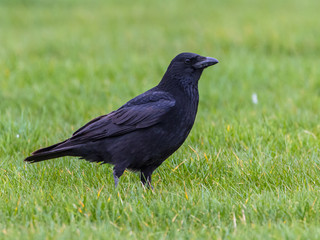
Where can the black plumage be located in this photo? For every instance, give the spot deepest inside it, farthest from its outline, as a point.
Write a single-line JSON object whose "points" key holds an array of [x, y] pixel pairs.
{"points": [[145, 131]]}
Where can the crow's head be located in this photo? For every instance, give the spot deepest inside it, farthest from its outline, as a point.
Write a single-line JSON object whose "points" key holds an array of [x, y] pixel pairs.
{"points": [[187, 67], [191, 62]]}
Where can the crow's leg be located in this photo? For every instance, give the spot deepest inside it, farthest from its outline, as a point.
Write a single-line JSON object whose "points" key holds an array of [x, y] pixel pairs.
{"points": [[117, 173], [145, 176]]}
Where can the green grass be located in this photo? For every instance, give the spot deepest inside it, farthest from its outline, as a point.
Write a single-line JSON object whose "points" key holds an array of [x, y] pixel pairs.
{"points": [[246, 171]]}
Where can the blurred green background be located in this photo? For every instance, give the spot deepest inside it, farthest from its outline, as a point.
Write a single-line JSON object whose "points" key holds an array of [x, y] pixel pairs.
{"points": [[247, 171]]}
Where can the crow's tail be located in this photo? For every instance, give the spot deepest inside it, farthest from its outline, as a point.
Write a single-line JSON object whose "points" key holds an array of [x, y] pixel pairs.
{"points": [[54, 151]]}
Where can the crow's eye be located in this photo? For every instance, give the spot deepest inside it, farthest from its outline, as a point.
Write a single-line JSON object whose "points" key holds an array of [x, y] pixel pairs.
{"points": [[187, 61]]}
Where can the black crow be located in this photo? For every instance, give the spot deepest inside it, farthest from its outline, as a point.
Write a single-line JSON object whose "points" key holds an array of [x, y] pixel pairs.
{"points": [[145, 131]]}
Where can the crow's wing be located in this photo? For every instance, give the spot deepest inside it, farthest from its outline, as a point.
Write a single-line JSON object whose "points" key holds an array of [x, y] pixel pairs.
{"points": [[143, 111]]}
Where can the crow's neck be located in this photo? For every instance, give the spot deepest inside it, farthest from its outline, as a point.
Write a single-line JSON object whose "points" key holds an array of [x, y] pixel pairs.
{"points": [[189, 88], [177, 84]]}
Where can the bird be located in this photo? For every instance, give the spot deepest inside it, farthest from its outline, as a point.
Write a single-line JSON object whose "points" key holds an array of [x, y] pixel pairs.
{"points": [[145, 131]]}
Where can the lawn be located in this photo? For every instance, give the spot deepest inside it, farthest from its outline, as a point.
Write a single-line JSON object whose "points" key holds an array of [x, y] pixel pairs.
{"points": [[247, 171]]}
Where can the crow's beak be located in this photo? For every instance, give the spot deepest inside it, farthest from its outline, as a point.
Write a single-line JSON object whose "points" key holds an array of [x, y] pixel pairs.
{"points": [[205, 62]]}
